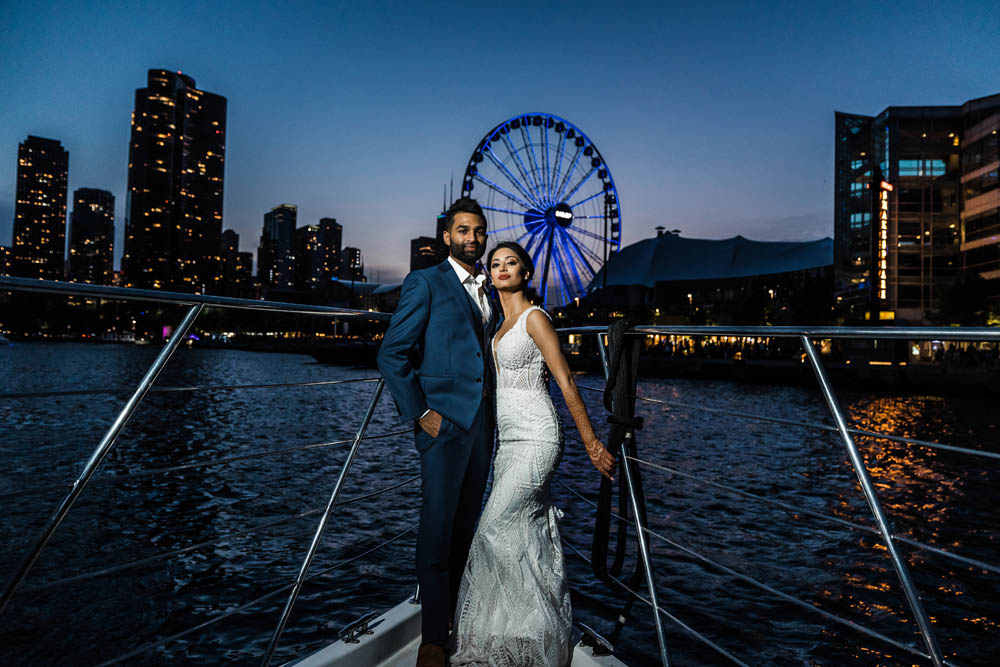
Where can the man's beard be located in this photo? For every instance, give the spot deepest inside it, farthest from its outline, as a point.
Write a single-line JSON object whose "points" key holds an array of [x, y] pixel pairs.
{"points": [[458, 252]]}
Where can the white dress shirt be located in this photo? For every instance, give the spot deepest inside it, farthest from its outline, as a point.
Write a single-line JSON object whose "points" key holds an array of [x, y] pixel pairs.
{"points": [[475, 285]]}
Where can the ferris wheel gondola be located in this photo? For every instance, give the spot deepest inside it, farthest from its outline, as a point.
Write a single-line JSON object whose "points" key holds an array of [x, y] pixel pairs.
{"points": [[546, 186]]}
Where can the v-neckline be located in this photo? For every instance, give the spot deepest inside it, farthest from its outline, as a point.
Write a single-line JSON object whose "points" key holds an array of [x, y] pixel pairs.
{"points": [[496, 341]]}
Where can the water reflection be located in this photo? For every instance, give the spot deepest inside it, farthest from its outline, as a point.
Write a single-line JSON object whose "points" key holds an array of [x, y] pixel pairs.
{"points": [[938, 497]]}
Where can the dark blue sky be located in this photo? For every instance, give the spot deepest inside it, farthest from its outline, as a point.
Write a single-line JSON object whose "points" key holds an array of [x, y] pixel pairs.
{"points": [[717, 120]]}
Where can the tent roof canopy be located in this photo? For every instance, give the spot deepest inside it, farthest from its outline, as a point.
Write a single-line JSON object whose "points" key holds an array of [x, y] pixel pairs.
{"points": [[670, 257]]}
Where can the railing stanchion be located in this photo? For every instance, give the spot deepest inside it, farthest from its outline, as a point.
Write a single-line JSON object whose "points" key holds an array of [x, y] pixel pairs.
{"points": [[639, 525], [602, 350], [647, 564], [321, 528], [902, 571], [107, 443]]}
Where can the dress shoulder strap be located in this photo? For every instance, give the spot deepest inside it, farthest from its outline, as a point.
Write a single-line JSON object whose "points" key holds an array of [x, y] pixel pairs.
{"points": [[523, 321]]}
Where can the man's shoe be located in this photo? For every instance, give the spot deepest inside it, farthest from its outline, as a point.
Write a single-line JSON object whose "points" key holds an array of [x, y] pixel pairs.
{"points": [[431, 655]]}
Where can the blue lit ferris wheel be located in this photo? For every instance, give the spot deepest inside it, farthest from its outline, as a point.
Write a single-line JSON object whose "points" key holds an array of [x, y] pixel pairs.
{"points": [[548, 188]]}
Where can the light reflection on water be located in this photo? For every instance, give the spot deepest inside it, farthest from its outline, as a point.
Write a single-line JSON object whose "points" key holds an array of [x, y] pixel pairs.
{"points": [[938, 497]]}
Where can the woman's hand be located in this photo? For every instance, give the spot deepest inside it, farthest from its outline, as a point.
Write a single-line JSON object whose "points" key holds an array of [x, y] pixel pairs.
{"points": [[601, 458]]}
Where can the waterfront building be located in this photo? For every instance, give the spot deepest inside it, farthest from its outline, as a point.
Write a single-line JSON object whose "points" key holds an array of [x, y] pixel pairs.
{"points": [[38, 250], [672, 279], [276, 252], [332, 234], [317, 254], [92, 237], [352, 266], [912, 207], [176, 171], [243, 270], [237, 267], [980, 217], [309, 253], [4, 260], [425, 251]]}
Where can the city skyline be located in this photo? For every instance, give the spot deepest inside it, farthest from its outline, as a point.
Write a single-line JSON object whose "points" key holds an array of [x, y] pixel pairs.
{"points": [[714, 125]]}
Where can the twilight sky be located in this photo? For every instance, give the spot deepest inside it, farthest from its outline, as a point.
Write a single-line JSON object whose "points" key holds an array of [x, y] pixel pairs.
{"points": [[717, 120]]}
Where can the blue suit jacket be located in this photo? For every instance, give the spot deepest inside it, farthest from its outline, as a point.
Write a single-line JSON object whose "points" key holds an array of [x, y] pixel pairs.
{"points": [[432, 355]]}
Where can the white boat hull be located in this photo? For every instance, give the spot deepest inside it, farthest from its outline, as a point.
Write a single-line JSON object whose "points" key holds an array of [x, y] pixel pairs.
{"points": [[395, 638]]}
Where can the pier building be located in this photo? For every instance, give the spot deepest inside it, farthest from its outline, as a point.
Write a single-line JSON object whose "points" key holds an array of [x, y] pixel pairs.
{"points": [[39, 244], [915, 206], [176, 171], [726, 281]]}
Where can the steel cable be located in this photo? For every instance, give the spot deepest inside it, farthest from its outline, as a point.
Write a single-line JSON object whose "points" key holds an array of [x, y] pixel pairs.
{"points": [[209, 387], [251, 603], [694, 633], [145, 472], [201, 545], [850, 524], [758, 584], [811, 425]]}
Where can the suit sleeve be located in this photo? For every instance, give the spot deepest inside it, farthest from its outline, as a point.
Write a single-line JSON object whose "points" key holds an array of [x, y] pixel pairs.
{"points": [[406, 328]]}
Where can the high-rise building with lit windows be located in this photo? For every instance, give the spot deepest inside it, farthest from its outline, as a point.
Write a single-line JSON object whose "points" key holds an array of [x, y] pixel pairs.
{"points": [[237, 267], [176, 172], [904, 223], [4, 260], [92, 237], [39, 247], [352, 266], [425, 251], [276, 252]]}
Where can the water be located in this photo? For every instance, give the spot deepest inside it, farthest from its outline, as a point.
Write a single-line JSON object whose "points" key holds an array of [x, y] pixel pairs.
{"points": [[933, 496]]}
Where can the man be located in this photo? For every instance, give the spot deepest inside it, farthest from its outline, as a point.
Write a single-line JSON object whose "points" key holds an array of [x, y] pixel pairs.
{"points": [[433, 359]]}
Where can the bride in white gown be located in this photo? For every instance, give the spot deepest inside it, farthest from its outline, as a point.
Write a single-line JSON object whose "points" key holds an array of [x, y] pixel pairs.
{"points": [[513, 604]]}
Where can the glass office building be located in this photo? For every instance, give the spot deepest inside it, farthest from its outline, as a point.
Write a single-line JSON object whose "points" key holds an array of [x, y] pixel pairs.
{"points": [[904, 223]]}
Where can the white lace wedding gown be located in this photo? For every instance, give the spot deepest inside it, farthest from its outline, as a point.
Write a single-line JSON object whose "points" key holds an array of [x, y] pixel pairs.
{"points": [[513, 603]]}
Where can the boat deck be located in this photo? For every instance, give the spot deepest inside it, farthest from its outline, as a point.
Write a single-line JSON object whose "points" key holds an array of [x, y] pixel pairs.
{"points": [[393, 641]]}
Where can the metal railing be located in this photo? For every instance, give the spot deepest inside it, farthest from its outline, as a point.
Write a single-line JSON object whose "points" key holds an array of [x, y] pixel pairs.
{"points": [[196, 304], [846, 433]]}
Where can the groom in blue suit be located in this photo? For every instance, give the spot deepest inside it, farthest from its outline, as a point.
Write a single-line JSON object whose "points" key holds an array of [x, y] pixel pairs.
{"points": [[434, 361]]}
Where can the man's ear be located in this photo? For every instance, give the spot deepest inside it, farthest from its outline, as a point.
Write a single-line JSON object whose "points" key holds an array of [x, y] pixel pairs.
{"points": [[446, 237]]}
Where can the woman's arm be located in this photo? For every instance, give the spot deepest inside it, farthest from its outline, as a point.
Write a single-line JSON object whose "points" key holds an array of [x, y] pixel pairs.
{"points": [[544, 334]]}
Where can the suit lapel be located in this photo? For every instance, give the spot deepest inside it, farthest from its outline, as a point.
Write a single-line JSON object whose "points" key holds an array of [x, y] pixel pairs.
{"points": [[455, 287]]}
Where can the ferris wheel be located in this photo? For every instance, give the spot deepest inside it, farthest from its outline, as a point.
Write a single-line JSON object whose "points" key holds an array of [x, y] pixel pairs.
{"points": [[548, 188]]}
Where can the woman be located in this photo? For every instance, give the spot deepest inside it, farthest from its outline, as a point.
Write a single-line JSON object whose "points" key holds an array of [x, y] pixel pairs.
{"points": [[513, 603]]}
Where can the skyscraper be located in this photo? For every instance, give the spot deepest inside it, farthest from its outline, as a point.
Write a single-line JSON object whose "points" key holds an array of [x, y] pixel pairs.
{"points": [[276, 252], [352, 267], [236, 265], [40, 209], [332, 233], [92, 236], [912, 206], [175, 185], [309, 253]]}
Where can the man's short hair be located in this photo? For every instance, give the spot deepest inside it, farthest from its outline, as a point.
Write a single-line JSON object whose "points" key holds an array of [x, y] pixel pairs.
{"points": [[463, 205]]}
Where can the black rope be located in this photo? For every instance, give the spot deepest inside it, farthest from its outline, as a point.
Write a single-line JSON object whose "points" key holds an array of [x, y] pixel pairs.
{"points": [[619, 400]]}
